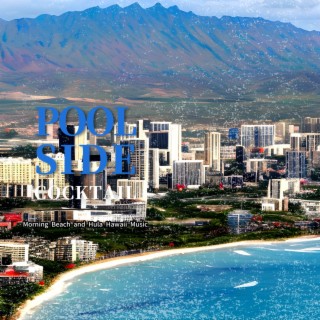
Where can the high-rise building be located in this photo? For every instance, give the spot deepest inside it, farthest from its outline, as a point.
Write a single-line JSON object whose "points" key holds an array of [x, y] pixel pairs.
{"points": [[15, 175], [259, 165], [280, 134], [308, 142], [279, 188], [138, 158], [98, 180], [166, 137], [228, 152], [311, 125], [238, 221], [128, 129], [233, 134], [76, 179], [141, 127], [188, 173], [71, 249], [132, 189], [50, 131], [257, 136], [296, 164], [278, 192], [212, 149], [66, 140], [240, 154], [52, 181], [154, 168]]}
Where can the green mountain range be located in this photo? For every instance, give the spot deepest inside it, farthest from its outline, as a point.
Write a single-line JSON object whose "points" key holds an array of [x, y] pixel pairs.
{"points": [[157, 53]]}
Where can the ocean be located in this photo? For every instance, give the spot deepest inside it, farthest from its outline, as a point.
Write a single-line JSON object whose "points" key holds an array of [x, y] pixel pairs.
{"points": [[263, 281]]}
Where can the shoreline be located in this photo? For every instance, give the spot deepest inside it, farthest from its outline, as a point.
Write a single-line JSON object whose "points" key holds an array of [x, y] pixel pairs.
{"points": [[61, 281]]}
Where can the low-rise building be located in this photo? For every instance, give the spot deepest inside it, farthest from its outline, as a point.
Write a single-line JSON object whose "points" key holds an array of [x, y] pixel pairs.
{"points": [[310, 207], [278, 192], [239, 220], [14, 251]]}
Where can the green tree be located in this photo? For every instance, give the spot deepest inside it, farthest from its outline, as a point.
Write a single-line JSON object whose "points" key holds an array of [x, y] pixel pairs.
{"points": [[9, 133], [154, 214], [28, 151]]}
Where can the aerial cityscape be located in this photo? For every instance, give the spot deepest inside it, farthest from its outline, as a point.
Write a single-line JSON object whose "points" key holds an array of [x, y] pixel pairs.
{"points": [[261, 179], [154, 161]]}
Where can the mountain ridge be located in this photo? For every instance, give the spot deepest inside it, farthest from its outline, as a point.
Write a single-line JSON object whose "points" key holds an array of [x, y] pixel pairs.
{"points": [[155, 44]]}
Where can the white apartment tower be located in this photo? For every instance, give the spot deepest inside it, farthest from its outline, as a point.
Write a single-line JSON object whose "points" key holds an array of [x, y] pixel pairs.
{"points": [[154, 168], [166, 137], [138, 158], [257, 136], [212, 150], [188, 173], [132, 189]]}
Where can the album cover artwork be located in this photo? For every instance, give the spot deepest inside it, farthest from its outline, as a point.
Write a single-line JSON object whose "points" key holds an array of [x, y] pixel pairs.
{"points": [[159, 160]]}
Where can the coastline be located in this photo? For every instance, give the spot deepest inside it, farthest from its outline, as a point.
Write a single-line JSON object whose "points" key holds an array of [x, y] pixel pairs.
{"points": [[64, 279]]}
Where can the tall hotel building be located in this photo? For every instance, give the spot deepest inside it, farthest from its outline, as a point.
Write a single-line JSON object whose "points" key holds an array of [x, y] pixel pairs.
{"points": [[296, 164], [70, 249], [188, 173], [75, 179], [128, 129], [278, 192], [154, 168], [132, 189], [54, 180], [141, 127], [138, 158], [212, 150], [311, 125], [257, 136], [15, 175], [304, 141], [166, 137]]}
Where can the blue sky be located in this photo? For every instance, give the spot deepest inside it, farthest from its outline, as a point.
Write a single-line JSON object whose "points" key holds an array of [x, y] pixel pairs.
{"points": [[302, 13]]}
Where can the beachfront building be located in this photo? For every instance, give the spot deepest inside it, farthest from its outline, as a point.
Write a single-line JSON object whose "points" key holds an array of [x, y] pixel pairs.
{"points": [[73, 249], [14, 252], [311, 208], [238, 221]]}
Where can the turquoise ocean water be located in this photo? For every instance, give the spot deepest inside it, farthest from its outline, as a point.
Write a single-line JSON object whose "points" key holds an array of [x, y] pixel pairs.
{"points": [[278, 281]]}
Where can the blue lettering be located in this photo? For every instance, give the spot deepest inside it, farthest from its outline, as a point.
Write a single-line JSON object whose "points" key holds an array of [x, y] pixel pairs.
{"points": [[42, 119], [46, 159], [81, 119], [120, 158], [121, 122], [91, 120], [86, 159]]}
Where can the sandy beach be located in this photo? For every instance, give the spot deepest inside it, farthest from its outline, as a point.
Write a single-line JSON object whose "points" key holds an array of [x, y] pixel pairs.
{"points": [[64, 279]]}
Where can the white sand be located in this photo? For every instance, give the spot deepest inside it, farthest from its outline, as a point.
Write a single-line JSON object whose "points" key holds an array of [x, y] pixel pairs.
{"points": [[63, 280]]}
